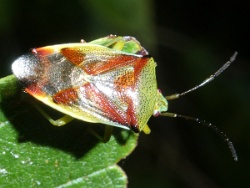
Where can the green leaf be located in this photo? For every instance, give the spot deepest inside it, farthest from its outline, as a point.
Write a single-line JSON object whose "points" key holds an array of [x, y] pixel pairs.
{"points": [[9, 87], [34, 153]]}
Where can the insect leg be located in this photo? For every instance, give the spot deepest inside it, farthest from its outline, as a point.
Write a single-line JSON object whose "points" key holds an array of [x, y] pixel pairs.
{"points": [[146, 129], [107, 133], [119, 45], [59, 122], [110, 41]]}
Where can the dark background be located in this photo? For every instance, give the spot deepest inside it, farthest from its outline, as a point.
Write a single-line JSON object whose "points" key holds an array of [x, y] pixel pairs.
{"points": [[189, 41]]}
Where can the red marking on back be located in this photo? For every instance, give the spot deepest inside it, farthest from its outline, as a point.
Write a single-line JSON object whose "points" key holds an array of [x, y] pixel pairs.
{"points": [[139, 65], [129, 79], [104, 104], [132, 116], [128, 82], [114, 62], [34, 90], [66, 97], [124, 82], [74, 56], [43, 51]]}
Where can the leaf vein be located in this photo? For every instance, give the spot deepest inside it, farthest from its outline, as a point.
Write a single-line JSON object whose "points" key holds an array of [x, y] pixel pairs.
{"points": [[77, 180]]}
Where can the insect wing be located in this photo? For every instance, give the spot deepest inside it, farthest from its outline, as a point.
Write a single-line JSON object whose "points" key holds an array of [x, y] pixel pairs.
{"points": [[90, 82]]}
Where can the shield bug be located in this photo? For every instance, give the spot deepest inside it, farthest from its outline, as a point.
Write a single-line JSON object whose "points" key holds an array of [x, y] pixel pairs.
{"points": [[110, 80]]}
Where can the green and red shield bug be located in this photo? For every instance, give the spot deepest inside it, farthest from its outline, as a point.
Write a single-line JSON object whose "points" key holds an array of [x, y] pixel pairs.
{"points": [[110, 80]]}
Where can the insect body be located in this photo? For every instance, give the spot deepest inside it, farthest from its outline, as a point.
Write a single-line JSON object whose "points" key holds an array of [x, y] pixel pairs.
{"points": [[110, 80], [112, 83]]}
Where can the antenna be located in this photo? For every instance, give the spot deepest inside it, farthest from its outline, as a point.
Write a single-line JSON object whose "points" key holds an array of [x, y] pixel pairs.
{"points": [[209, 125], [209, 79], [203, 122]]}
